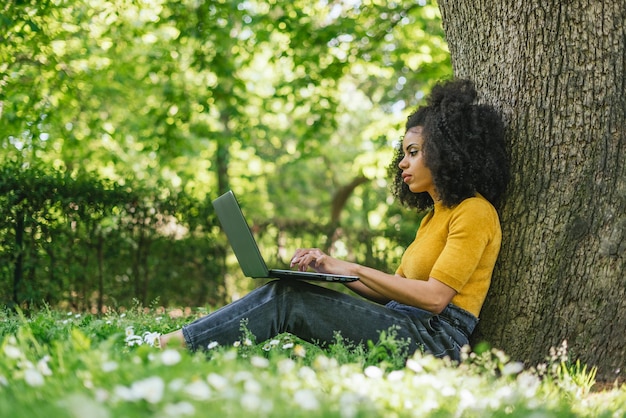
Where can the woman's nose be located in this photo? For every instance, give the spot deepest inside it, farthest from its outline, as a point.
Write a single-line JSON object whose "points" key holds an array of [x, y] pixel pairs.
{"points": [[402, 163]]}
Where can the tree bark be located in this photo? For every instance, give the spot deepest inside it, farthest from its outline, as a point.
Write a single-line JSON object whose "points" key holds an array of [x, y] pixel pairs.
{"points": [[556, 70]]}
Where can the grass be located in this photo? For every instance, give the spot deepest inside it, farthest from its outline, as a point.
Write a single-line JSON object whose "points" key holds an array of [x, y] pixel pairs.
{"points": [[56, 364]]}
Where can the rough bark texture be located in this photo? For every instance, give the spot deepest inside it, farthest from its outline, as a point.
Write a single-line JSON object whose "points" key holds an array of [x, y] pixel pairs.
{"points": [[557, 71]]}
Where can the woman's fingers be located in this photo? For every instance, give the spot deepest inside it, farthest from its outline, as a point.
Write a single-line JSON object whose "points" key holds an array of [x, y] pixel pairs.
{"points": [[305, 257]]}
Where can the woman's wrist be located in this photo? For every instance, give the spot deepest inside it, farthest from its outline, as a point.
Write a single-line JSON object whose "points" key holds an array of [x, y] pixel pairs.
{"points": [[355, 269]]}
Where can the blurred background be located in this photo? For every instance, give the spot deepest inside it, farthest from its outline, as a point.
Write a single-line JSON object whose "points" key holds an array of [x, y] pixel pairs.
{"points": [[121, 120]]}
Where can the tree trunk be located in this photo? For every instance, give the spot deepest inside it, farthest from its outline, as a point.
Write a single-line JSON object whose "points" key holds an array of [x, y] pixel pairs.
{"points": [[557, 72]]}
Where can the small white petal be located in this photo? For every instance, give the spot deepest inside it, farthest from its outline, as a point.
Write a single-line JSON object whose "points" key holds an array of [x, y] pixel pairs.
{"points": [[153, 339], [512, 368], [170, 357], [217, 381], [306, 399], [373, 372], [42, 366], [198, 390], [151, 389], [179, 409], [12, 352], [33, 377], [260, 362]]}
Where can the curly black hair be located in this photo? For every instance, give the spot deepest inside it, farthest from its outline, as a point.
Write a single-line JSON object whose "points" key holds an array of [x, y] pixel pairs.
{"points": [[464, 148]]}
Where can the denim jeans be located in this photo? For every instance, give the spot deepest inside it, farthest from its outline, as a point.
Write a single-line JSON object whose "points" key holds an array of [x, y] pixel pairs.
{"points": [[314, 314]]}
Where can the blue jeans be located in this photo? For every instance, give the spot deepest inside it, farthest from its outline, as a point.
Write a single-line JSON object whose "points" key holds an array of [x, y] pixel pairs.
{"points": [[314, 314]]}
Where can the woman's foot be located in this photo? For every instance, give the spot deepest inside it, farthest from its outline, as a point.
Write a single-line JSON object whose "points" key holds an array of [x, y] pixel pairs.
{"points": [[173, 339]]}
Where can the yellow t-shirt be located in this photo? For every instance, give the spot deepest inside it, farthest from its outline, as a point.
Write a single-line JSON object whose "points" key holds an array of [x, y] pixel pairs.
{"points": [[457, 246]]}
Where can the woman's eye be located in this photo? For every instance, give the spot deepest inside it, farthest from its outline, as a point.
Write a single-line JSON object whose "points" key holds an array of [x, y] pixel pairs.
{"points": [[413, 153]]}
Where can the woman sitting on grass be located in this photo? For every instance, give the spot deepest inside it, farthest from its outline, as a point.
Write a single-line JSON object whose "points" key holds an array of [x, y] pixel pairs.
{"points": [[452, 161]]}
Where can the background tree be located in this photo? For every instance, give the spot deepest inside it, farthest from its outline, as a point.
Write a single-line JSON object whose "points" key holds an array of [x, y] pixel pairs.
{"points": [[557, 72]]}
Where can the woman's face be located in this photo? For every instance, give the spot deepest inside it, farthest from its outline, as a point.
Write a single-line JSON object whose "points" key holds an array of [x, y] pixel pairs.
{"points": [[414, 171]]}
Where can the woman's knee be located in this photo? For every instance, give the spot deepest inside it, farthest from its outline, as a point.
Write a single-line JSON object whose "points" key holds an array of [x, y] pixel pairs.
{"points": [[281, 285]]}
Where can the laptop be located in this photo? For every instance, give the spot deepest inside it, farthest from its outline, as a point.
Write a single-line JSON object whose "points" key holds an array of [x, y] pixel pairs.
{"points": [[247, 251]]}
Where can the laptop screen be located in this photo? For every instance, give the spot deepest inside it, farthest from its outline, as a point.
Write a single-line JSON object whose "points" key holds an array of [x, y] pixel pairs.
{"points": [[239, 236]]}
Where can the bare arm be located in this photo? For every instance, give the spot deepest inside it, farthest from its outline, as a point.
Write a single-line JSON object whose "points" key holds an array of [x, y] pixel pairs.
{"points": [[361, 289], [431, 295]]}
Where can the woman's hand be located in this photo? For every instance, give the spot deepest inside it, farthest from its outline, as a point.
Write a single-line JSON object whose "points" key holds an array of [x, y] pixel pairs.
{"points": [[316, 259]]}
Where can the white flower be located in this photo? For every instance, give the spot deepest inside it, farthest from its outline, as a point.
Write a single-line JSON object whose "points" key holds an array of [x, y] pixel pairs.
{"points": [[395, 375], [88, 383], [176, 385], [242, 376], [306, 399], [260, 362], [170, 357], [212, 345], [466, 400], [124, 393], [414, 365], [373, 372], [101, 395], [179, 409], [217, 381], [299, 351], [252, 386], [198, 390], [285, 366], [12, 352], [349, 404], [307, 373], [132, 340], [33, 377], [26, 364], [42, 366], [322, 362], [287, 346], [153, 339], [109, 366], [528, 383], [512, 368], [76, 405], [251, 401], [151, 389]]}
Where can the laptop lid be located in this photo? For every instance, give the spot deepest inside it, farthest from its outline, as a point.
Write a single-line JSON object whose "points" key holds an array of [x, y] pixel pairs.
{"points": [[247, 251], [239, 235]]}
